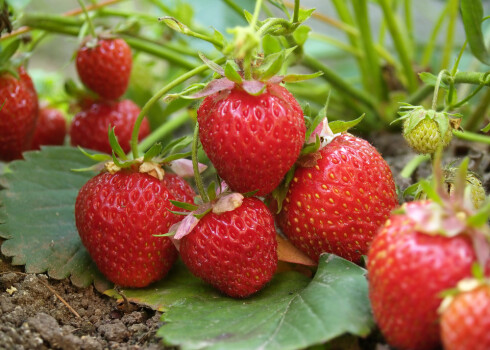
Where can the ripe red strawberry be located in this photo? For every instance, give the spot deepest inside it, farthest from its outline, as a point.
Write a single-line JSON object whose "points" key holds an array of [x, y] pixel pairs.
{"points": [[465, 322], [50, 128], [338, 203], [117, 216], [105, 68], [179, 188], [18, 115], [252, 141], [408, 269], [235, 251], [89, 127]]}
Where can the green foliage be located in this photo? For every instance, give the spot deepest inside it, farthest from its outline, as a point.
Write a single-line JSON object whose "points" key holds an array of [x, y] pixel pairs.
{"points": [[472, 15], [36, 215], [291, 312]]}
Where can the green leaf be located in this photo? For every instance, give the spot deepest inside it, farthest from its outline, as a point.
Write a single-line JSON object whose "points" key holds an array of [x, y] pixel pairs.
{"points": [[116, 147], [220, 38], [341, 126], [175, 24], [211, 191], [184, 205], [98, 157], [232, 74], [177, 145], [293, 78], [270, 45], [176, 156], [301, 34], [472, 14], [304, 14], [9, 51], [272, 65], [212, 65], [292, 312], [431, 79], [37, 218], [154, 151], [486, 128]]}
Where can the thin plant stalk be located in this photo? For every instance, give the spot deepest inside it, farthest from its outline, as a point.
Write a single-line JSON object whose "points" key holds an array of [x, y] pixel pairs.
{"points": [[453, 7], [429, 48], [400, 45], [158, 96], [195, 165]]}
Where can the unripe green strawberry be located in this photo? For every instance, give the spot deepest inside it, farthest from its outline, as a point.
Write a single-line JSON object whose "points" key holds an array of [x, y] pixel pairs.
{"points": [[476, 191], [465, 319], [427, 130]]}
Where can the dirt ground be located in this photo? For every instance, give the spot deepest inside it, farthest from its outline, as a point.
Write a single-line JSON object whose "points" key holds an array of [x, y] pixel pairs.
{"points": [[33, 313]]}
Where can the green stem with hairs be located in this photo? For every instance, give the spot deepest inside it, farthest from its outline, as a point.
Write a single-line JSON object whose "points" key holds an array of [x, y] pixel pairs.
{"points": [[471, 136], [296, 11], [159, 95], [163, 130], [400, 44], [87, 17], [274, 22], [234, 7], [195, 166], [255, 18]]}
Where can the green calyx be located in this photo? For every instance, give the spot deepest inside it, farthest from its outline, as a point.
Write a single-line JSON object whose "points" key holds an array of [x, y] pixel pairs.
{"points": [[151, 162], [426, 130]]}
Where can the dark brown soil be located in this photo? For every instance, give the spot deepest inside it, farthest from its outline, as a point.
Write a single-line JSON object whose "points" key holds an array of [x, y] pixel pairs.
{"points": [[33, 313]]}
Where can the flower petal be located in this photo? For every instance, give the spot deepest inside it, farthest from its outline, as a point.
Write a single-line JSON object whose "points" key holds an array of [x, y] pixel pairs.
{"points": [[183, 167], [228, 202]]}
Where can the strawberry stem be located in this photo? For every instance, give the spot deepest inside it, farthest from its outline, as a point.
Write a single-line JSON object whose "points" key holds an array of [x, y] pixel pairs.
{"points": [[296, 11], [195, 166], [158, 96], [89, 20]]}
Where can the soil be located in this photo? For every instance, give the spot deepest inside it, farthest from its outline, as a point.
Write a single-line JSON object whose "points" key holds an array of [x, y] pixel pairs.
{"points": [[37, 312]]}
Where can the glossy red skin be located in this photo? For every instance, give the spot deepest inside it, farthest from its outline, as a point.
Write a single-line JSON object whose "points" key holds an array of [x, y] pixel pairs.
{"points": [[18, 115], [50, 128], [179, 188], [338, 205], [90, 126], [117, 216], [465, 324], [407, 271], [252, 141], [106, 68], [235, 251]]}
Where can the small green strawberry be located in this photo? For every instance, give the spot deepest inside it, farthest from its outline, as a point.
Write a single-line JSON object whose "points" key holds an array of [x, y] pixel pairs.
{"points": [[426, 130]]}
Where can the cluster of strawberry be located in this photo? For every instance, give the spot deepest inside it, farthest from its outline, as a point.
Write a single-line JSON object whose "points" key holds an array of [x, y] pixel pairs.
{"points": [[337, 197], [104, 66], [23, 124]]}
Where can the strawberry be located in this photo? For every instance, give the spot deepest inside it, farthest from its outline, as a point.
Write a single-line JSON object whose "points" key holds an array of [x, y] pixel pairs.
{"points": [[233, 249], [465, 320], [252, 141], [426, 130], [179, 188], [337, 202], [50, 128], [18, 115], [117, 215], [106, 67], [89, 127], [417, 254]]}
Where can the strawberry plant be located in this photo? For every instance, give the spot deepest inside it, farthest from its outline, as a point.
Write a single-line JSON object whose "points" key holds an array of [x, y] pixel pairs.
{"points": [[319, 232]]}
